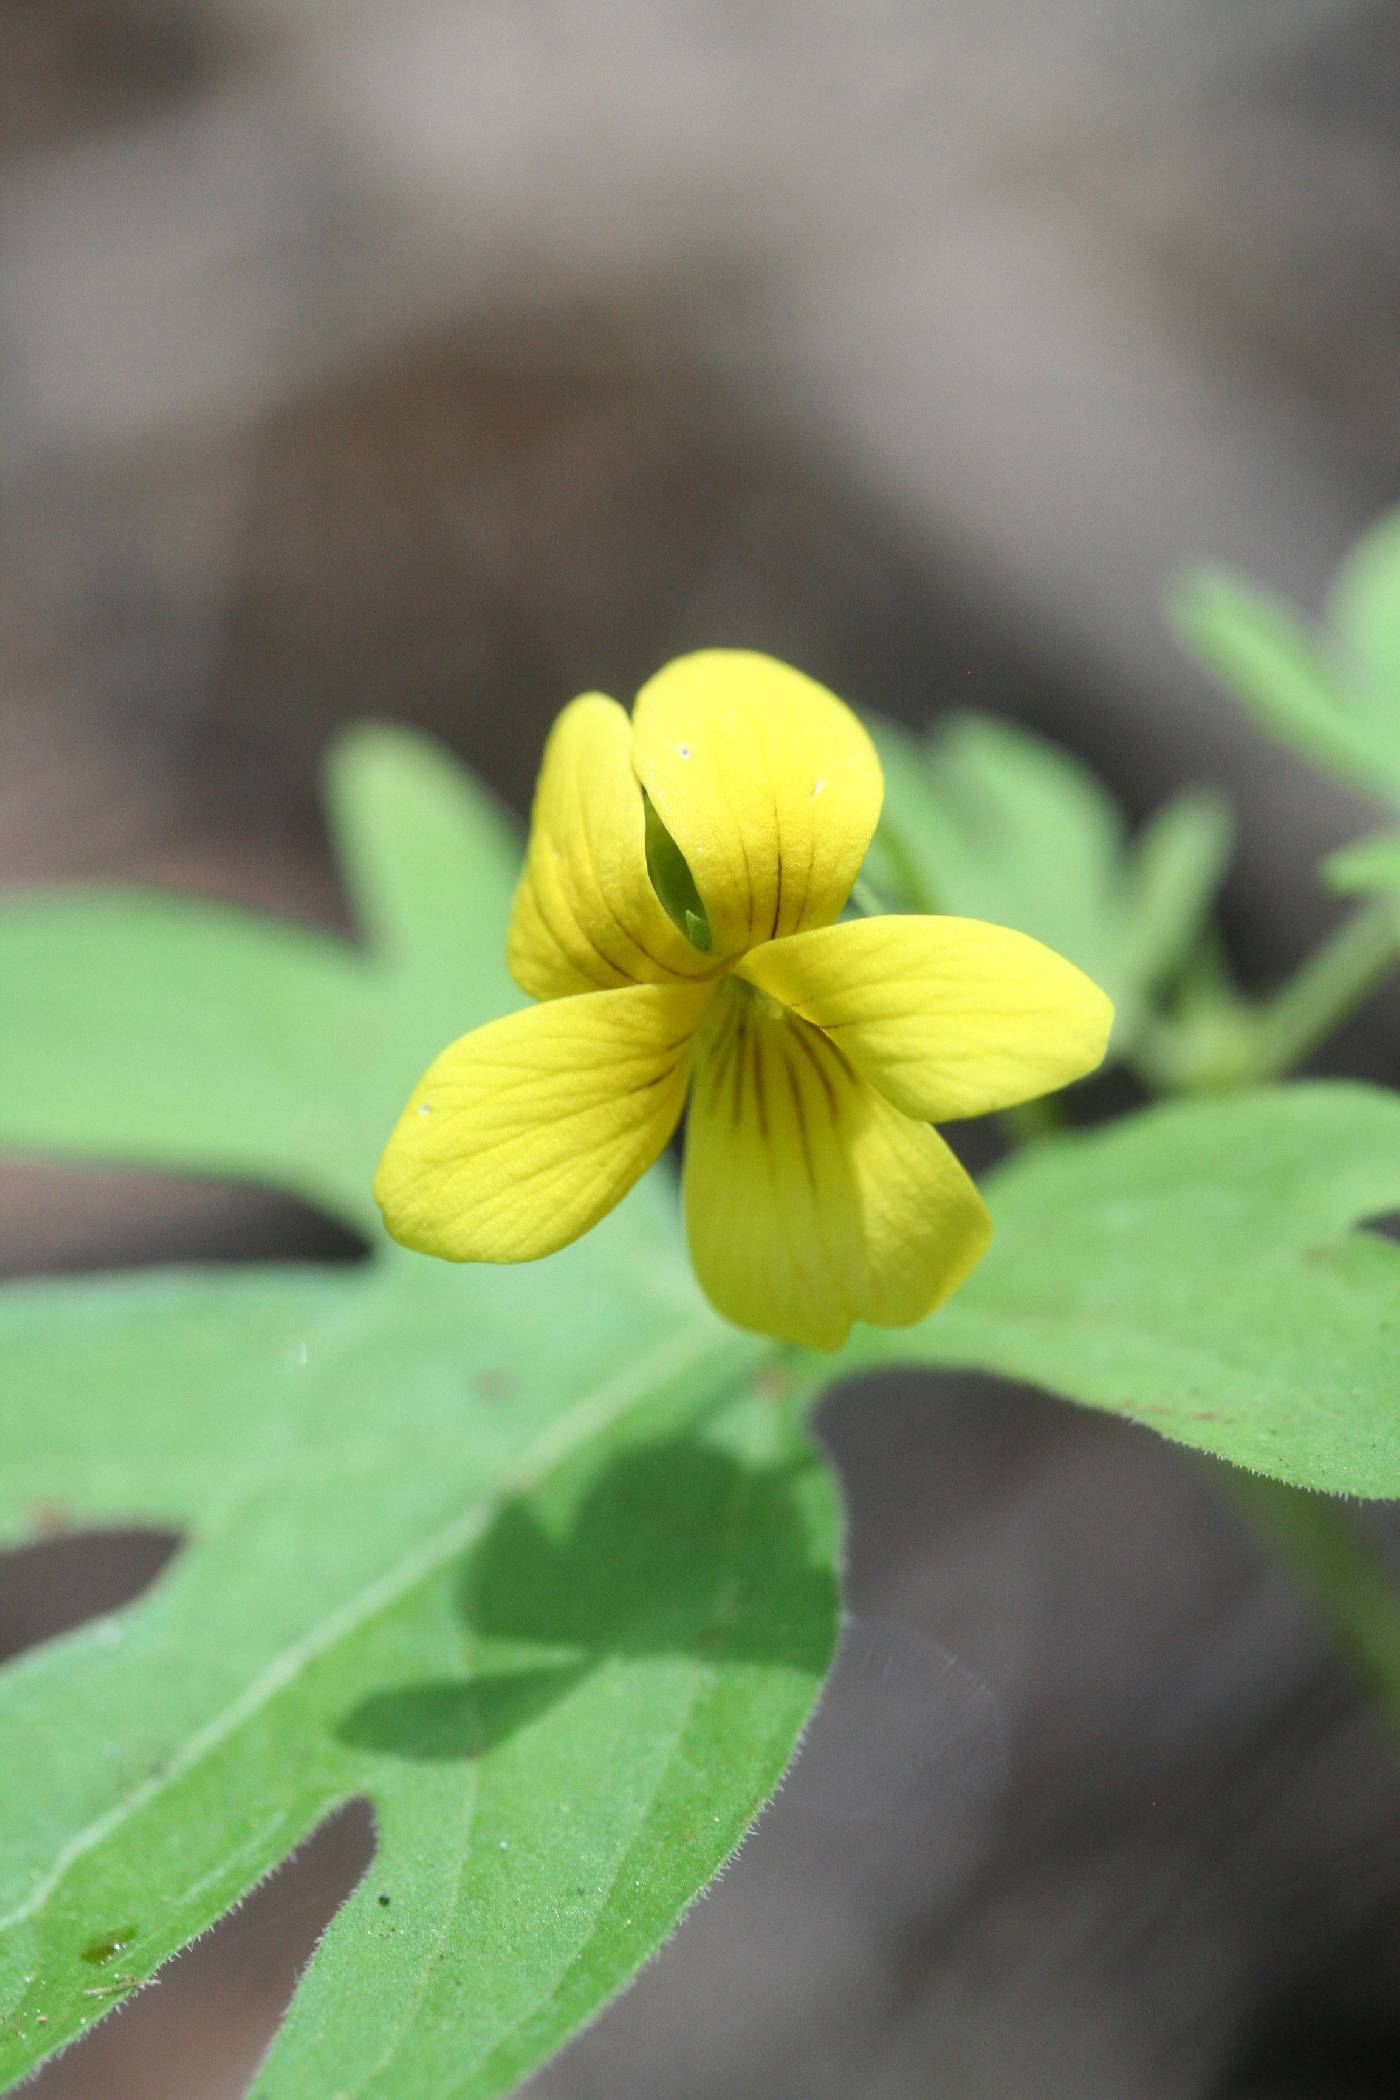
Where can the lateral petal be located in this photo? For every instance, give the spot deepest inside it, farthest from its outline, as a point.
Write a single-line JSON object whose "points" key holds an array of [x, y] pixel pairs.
{"points": [[586, 916], [526, 1132], [768, 784], [947, 1017], [809, 1200]]}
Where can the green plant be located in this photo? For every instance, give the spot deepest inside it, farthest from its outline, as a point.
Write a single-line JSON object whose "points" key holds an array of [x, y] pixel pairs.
{"points": [[541, 1561]]}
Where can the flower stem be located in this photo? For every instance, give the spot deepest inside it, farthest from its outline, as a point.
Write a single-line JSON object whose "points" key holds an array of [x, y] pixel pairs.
{"points": [[1350, 1587], [1326, 989]]}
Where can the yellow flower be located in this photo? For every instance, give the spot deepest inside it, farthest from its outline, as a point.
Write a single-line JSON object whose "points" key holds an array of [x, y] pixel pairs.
{"points": [[676, 920]]}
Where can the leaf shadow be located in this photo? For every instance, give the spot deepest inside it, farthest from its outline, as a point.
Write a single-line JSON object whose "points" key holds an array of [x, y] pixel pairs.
{"points": [[440, 1720], [677, 1549]]}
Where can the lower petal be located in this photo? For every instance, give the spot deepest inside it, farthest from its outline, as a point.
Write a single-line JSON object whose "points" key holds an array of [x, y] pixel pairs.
{"points": [[526, 1132], [809, 1200]]}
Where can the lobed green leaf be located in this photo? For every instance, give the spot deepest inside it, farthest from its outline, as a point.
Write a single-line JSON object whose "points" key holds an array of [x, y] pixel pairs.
{"points": [[550, 1587], [169, 1032], [1199, 1268], [559, 1619]]}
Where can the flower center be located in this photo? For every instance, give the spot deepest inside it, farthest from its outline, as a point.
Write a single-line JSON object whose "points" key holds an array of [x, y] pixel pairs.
{"points": [[743, 1006]]}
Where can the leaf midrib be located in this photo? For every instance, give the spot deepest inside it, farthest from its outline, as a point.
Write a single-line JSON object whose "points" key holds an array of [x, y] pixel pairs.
{"points": [[571, 1431], [701, 1683]]}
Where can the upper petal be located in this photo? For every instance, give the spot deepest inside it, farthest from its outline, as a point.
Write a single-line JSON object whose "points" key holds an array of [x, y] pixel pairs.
{"points": [[586, 915], [947, 1017], [809, 1201], [526, 1132], [768, 784]]}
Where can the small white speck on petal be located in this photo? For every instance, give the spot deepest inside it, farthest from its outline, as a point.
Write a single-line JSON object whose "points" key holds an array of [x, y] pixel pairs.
{"points": [[817, 786], [425, 1108], [682, 750]]}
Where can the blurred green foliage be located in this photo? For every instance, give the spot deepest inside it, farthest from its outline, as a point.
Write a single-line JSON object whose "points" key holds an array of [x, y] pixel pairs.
{"points": [[1333, 697]]}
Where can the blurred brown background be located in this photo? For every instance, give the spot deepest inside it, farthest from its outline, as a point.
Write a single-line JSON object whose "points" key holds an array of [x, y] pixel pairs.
{"points": [[444, 359]]}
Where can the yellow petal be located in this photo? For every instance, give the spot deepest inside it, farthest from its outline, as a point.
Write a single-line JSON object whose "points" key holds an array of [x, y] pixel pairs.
{"points": [[809, 1201], [767, 783], [586, 916], [526, 1132], [947, 1017]]}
